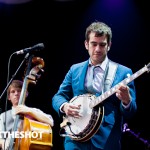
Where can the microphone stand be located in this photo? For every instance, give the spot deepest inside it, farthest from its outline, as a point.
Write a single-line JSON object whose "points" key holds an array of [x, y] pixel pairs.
{"points": [[25, 58], [126, 129]]}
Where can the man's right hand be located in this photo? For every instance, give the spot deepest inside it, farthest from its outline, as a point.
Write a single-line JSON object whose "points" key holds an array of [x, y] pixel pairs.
{"points": [[71, 110]]}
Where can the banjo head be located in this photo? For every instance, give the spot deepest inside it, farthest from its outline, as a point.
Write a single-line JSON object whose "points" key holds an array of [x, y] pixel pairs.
{"points": [[81, 129]]}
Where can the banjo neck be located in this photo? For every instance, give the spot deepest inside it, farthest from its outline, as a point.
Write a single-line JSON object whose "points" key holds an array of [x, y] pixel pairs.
{"points": [[110, 92]]}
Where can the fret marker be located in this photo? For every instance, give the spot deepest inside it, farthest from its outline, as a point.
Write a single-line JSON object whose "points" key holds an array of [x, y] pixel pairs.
{"points": [[128, 75]]}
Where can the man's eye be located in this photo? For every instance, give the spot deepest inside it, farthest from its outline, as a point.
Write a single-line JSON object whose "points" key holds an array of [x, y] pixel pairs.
{"points": [[103, 44], [94, 44]]}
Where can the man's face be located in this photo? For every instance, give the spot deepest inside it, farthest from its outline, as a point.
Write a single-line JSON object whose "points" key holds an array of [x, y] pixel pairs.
{"points": [[97, 48], [14, 95]]}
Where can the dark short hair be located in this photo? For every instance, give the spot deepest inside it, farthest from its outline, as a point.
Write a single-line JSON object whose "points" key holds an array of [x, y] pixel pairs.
{"points": [[100, 29]]}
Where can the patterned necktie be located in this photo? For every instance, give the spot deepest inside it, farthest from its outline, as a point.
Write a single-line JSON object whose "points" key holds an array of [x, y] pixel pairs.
{"points": [[90, 80], [98, 77], [95, 80]]}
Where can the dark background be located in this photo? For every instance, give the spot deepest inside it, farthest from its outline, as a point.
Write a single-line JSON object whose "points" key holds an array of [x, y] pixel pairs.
{"points": [[60, 25]]}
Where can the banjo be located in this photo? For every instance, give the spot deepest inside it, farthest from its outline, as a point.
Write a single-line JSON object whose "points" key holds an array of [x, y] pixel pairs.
{"points": [[92, 112]]}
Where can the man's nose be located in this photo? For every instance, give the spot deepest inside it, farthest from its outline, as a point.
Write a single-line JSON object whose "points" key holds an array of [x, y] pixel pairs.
{"points": [[98, 48], [17, 93]]}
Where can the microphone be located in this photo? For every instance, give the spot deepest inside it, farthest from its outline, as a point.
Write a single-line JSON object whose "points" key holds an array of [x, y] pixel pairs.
{"points": [[36, 47]]}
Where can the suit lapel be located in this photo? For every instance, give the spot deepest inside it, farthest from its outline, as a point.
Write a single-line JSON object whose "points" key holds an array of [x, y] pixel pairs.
{"points": [[83, 70]]}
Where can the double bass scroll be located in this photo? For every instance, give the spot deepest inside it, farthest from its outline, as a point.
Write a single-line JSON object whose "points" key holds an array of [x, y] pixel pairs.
{"points": [[34, 75]]}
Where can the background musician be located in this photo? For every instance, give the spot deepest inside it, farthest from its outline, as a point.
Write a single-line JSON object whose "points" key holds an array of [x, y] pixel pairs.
{"points": [[13, 92]]}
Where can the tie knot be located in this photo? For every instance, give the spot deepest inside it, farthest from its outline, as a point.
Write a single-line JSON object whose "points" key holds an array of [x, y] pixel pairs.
{"points": [[97, 69]]}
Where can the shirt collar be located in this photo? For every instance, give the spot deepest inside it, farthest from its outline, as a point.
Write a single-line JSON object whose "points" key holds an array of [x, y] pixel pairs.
{"points": [[102, 65]]}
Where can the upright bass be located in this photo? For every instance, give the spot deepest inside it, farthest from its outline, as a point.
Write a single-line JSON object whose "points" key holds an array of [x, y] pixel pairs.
{"points": [[43, 139]]}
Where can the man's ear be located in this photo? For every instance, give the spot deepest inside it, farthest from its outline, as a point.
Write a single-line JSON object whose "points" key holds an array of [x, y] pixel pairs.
{"points": [[108, 48], [86, 45], [8, 97]]}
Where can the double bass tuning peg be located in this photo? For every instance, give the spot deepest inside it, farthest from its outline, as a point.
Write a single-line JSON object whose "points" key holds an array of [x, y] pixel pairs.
{"points": [[39, 64]]}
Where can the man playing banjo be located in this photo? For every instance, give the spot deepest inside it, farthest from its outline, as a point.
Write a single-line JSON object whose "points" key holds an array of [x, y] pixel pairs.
{"points": [[90, 123]]}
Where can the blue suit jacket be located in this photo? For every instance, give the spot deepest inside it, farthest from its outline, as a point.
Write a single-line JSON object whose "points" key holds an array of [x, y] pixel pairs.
{"points": [[109, 133]]}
